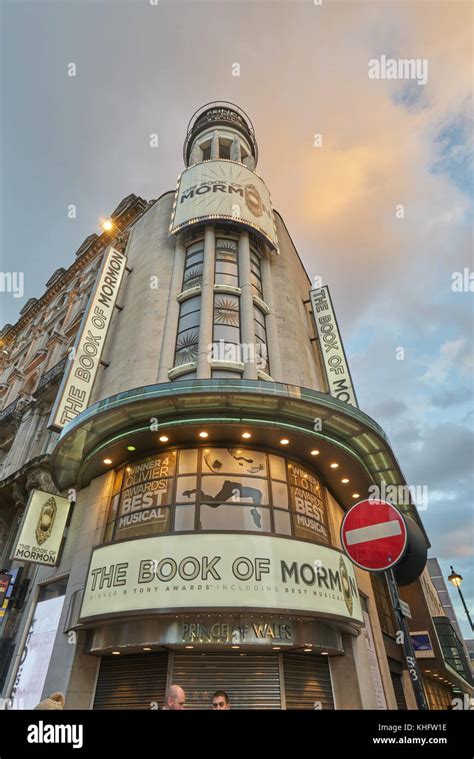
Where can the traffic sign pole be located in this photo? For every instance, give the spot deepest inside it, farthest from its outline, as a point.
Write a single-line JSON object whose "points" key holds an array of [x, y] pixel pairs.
{"points": [[374, 537], [408, 650]]}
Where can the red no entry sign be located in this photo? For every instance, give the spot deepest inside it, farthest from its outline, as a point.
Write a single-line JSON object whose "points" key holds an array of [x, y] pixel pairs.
{"points": [[374, 535]]}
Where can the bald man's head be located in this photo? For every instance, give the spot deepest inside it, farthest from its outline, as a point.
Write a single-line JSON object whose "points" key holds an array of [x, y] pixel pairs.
{"points": [[175, 698]]}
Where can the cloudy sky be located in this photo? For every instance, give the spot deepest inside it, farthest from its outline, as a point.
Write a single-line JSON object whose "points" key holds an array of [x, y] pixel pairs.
{"points": [[143, 67]]}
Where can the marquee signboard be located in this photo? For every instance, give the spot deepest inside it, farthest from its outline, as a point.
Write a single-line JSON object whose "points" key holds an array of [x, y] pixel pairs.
{"points": [[334, 357], [221, 189], [220, 571], [42, 529], [78, 381]]}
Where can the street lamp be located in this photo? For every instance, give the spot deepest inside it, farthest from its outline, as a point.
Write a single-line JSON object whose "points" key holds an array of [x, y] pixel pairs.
{"points": [[107, 225], [457, 579]]}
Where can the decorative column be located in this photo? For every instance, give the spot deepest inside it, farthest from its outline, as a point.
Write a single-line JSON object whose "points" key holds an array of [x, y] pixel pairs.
{"points": [[207, 305], [196, 155], [215, 145], [235, 154], [247, 331], [170, 327], [273, 343], [249, 161]]}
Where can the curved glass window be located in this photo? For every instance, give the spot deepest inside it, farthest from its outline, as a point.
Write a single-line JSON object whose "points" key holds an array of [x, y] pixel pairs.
{"points": [[260, 339], [227, 267], [226, 327], [193, 265], [256, 274], [187, 338], [228, 489]]}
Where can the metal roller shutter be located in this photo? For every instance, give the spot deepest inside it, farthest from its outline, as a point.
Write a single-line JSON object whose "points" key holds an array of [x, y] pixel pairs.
{"points": [[131, 682], [307, 681], [397, 683], [252, 681]]}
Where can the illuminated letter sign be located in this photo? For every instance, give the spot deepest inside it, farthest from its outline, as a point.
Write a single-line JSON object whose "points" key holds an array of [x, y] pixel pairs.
{"points": [[332, 349], [76, 387]]}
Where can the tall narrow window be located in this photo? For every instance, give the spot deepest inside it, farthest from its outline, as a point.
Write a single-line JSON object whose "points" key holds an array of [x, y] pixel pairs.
{"points": [[227, 326], [188, 331], [224, 148], [256, 274], [193, 265], [260, 340], [227, 270]]}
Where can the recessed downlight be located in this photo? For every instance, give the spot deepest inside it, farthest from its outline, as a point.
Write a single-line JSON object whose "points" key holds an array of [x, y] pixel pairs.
{"points": [[189, 646], [203, 434], [314, 453], [146, 648], [107, 461], [115, 653], [246, 435], [284, 441], [345, 480], [131, 448], [334, 465], [356, 495], [163, 438]]}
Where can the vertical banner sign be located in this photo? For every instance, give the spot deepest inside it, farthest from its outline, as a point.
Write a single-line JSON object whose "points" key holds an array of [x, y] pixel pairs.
{"points": [[42, 529], [76, 387], [334, 357]]}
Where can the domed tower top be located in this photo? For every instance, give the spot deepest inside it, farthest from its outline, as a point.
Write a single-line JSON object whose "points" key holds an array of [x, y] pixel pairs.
{"points": [[220, 130]]}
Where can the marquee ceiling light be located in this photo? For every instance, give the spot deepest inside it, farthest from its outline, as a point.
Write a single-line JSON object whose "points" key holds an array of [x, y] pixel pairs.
{"points": [[146, 648], [163, 438], [235, 646], [356, 495], [189, 646], [334, 465], [324, 653], [307, 650], [314, 453], [246, 435], [115, 653], [345, 480], [276, 648], [203, 434], [284, 441], [107, 461]]}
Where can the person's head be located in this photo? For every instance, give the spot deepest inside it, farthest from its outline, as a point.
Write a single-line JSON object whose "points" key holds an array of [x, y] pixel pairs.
{"points": [[55, 701], [220, 700], [175, 698]]}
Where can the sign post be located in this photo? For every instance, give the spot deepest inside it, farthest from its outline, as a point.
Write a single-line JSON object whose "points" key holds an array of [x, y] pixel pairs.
{"points": [[374, 536]]}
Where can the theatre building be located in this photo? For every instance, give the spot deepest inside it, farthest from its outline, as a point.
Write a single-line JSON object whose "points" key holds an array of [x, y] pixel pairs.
{"points": [[183, 389]]}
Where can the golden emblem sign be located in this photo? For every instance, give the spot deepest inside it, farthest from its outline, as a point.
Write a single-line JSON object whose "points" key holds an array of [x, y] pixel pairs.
{"points": [[253, 200], [346, 587], [46, 519]]}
